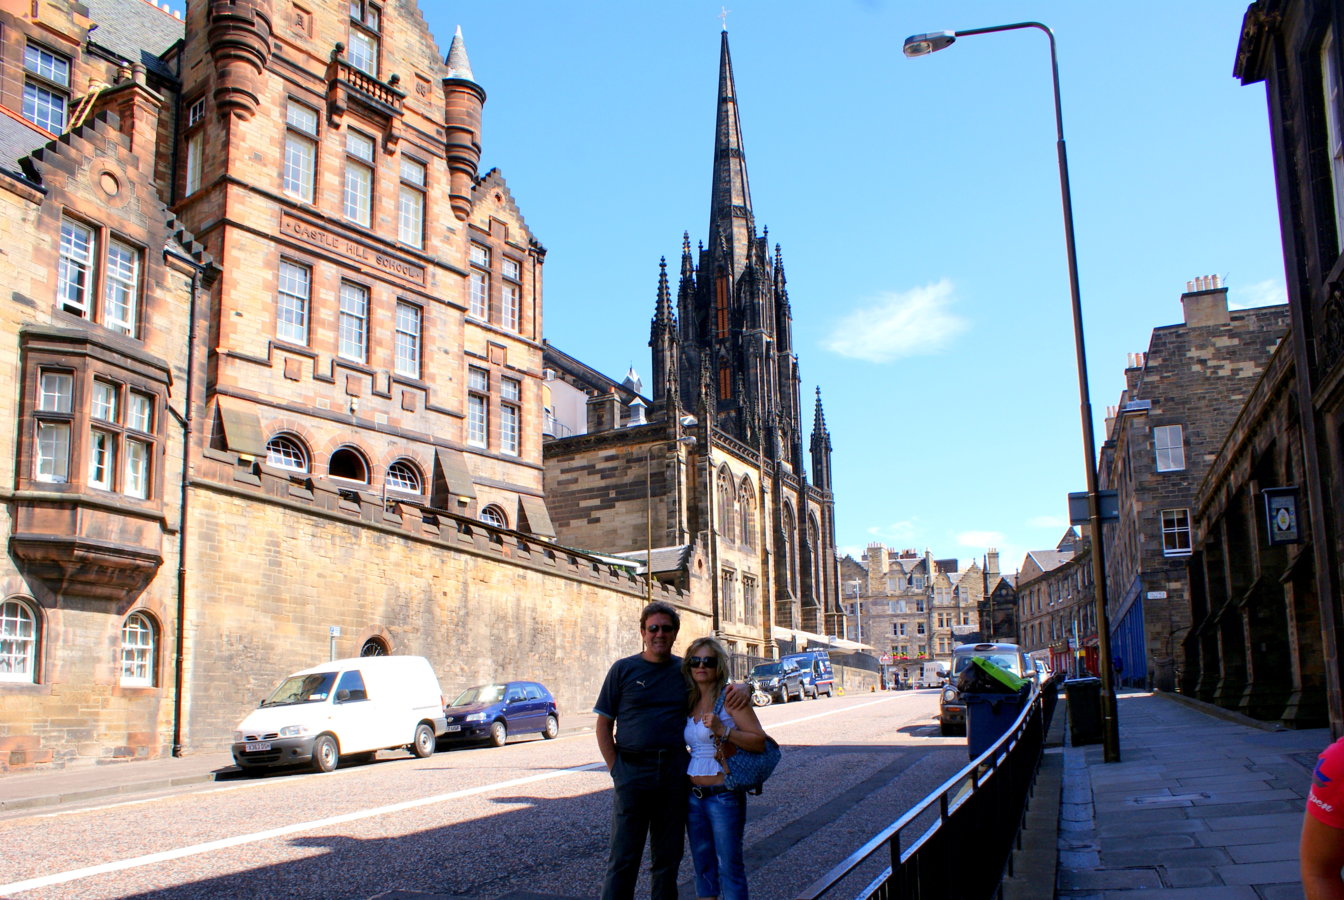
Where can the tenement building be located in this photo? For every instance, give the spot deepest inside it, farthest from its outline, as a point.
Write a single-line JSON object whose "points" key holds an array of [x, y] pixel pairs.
{"points": [[703, 481], [1179, 401], [273, 373], [907, 604], [1056, 606]]}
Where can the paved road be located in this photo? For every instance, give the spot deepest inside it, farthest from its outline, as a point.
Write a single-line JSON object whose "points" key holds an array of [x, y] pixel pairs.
{"points": [[526, 820]]}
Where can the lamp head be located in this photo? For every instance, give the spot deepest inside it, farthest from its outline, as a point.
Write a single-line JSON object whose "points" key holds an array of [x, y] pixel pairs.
{"points": [[924, 44]]}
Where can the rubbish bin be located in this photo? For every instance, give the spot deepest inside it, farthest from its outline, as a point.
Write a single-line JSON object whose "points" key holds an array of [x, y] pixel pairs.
{"points": [[1084, 696], [988, 716]]}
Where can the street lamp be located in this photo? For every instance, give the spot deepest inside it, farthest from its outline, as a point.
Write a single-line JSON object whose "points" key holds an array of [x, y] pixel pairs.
{"points": [[922, 45]]}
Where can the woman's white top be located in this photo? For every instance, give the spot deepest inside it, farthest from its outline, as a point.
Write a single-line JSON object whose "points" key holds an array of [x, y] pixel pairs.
{"points": [[701, 741]]}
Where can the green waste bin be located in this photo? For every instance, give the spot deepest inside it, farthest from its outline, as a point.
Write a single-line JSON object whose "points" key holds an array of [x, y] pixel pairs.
{"points": [[1084, 697]]}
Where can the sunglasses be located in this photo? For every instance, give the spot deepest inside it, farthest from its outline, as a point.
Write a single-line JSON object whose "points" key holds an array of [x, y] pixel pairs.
{"points": [[709, 662], [665, 629]]}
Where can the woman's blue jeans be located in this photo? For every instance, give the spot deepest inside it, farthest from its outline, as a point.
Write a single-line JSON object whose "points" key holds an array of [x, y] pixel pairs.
{"points": [[715, 825]]}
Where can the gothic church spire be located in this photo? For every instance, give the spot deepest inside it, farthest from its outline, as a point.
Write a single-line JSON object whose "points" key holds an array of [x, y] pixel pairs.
{"points": [[730, 218]]}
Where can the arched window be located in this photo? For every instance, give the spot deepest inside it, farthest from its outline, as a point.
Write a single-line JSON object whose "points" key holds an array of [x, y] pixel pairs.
{"points": [[726, 496], [374, 646], [493, 515], [138, 643], [403, 476], [20, 640], [814, 555], [790, 549], [284, 451], [348, 464], [746, 505]]}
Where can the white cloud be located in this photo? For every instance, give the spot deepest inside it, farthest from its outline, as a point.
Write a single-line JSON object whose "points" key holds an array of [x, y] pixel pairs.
{"points": [[894, 533], [1262, 293], [1059, 522], [898, 324], [980, 539]]}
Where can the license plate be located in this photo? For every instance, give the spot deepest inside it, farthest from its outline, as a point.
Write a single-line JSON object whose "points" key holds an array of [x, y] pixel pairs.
{"points": [[257, 746], [453, 728]]}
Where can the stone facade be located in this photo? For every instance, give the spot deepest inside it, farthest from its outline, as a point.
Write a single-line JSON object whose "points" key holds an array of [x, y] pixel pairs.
{"points": [[906, 614], [1057, 606], [1297, 48], [273, 367], [1179, 401]]}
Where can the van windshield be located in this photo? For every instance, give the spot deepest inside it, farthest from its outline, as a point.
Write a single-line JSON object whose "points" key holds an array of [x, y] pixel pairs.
{"points": [[481, 693], [301, 689]]}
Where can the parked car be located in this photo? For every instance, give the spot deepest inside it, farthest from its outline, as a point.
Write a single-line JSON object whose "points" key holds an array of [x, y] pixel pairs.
{"points": [[1043, 672], [781, 680], [818, 676], [951, 708], [493, 712], [343, 708]]}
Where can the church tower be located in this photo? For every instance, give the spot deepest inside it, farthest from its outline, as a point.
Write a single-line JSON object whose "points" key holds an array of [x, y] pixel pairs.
{"points": [[732, 321]]}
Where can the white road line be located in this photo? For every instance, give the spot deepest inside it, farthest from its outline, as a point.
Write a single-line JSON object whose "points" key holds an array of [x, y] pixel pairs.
{"points": [[32, 884], [238, 840]]}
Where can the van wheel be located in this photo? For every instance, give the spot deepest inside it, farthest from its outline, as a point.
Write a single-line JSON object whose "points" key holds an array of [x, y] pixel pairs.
{"points": [[423, 745], [552, 728], [325, 754], [499, 733]]}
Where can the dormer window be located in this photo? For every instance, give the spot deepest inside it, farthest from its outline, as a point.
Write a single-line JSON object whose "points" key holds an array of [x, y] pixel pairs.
{"points": [[365, 25]]}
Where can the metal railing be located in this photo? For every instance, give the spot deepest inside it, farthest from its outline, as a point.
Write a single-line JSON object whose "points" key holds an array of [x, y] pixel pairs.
{"points": [[959, 840]]}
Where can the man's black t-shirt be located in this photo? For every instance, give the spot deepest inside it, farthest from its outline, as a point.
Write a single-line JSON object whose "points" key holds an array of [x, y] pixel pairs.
{"points": [[647, 701]]}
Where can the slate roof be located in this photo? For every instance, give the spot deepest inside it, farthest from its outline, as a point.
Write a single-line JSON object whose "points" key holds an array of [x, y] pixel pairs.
{"points": [[17, 140], [665, 559], [1050, 559], [136, 31]]}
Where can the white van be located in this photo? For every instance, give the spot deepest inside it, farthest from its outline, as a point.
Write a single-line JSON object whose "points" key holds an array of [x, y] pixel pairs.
{"points": [[346, 707]]}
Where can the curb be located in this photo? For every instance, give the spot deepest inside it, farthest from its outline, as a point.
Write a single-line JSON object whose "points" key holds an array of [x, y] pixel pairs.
{"points": [[39, 802], [1219, 712]]}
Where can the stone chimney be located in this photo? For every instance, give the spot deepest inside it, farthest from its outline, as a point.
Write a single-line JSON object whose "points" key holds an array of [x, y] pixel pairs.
{"points": [[1205, 302], [604, 412]]}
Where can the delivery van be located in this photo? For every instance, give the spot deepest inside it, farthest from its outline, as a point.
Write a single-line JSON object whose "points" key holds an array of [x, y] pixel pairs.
{"points": [[344, 708]]}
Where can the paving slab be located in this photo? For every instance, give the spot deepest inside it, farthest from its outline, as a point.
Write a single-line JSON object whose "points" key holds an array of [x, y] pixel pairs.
{"points": [[1202, 804]]}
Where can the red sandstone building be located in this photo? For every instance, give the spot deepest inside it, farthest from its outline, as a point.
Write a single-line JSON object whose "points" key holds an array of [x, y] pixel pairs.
{"points": [[272, 362]]}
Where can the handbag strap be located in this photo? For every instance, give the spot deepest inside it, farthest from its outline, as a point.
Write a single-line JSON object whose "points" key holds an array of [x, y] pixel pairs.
{"points": [[718, 704]]}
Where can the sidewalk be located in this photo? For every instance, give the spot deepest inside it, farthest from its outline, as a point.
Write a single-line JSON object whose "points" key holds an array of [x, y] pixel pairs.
{"points": [[1203, 804], [75, 784]]}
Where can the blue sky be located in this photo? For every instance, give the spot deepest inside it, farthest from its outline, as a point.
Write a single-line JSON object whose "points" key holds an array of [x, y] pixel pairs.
{"points": [[917, 204]]}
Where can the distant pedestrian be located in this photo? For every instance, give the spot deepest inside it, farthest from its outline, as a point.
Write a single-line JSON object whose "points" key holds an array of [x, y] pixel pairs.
{"points": [[717, 816], [641, 714], [1322, 848]]}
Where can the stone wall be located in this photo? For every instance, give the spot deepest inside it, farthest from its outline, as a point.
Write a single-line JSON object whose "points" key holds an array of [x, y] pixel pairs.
{"points": [[276, 573]]}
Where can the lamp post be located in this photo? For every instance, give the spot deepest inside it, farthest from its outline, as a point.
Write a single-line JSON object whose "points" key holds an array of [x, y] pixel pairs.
{"points": [[922, 45]]}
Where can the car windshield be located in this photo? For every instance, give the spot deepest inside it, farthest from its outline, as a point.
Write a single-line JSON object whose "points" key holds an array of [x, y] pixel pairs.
{"points": [[1009, 661], [482, 693], [765, 670], [301, 689]]}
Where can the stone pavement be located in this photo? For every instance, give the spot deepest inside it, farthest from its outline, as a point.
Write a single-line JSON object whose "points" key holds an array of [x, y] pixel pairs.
{"points": [[1203, 804]]}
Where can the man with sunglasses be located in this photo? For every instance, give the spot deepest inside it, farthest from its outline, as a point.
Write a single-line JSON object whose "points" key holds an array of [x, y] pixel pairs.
{"points": [[641, 714]]}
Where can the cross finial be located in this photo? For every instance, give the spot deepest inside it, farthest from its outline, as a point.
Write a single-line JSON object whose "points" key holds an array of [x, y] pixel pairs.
{"points": [[723, 15]]}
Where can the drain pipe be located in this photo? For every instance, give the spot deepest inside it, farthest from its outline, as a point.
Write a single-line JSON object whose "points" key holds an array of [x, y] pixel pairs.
{"points": [[188, 434]]}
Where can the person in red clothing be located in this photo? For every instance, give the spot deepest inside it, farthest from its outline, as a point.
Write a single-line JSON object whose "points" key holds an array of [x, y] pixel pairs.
{"points": [[1322, 849]]}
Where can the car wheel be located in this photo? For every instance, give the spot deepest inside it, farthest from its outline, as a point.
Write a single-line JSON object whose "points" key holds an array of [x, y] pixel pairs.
{"points": [[784, 695], [423, 746], [499, 733], [552, 728], [325, 754]]}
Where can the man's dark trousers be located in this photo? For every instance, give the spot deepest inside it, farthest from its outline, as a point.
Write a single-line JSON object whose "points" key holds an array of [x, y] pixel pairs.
{"points": [[649, 799]]}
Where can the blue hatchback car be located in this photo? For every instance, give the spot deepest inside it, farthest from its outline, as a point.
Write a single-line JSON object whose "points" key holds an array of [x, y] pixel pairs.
{"points": [[494, 712]]}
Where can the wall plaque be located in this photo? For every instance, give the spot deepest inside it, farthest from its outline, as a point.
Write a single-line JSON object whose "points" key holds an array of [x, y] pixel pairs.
{"points": [[327, 240]]}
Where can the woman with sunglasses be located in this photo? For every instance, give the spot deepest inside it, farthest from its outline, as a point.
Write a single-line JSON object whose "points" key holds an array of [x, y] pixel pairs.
{"points": [[716, 815]]}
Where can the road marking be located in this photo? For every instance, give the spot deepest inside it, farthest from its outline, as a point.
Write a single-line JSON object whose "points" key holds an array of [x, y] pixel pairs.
{"points": [[238, 840]]}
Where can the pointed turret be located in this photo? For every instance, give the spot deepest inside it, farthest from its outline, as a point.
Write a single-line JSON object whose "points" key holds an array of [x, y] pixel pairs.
{"points": [[463, 102], [663, 340], [821, 448], [730, 219]]}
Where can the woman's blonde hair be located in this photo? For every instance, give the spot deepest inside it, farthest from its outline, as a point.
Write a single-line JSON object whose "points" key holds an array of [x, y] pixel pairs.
{"points": [[692, 690]]}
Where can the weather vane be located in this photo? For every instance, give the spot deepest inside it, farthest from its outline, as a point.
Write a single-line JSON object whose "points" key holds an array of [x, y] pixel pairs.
{"points": [[723, 14]]}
